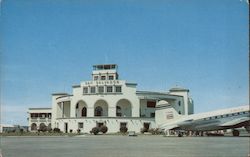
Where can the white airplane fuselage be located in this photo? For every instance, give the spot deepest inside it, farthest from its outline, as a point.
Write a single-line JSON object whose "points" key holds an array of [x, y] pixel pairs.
{"points": [[217, 120]]}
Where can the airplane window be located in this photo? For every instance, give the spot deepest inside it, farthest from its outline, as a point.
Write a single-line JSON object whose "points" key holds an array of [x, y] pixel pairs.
{"points": [[216, 117], [227, 115], [221, 116]]}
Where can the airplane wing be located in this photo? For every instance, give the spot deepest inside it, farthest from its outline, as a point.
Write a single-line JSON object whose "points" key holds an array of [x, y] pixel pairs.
{"points": [[235, 121], [169, 127]]}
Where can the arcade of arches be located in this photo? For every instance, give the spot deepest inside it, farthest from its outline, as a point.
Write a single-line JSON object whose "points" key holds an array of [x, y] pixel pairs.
{"points": [[123, 108]]}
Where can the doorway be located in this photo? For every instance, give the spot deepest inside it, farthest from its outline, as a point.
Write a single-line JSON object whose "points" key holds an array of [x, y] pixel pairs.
{"points": [[66, 127]]}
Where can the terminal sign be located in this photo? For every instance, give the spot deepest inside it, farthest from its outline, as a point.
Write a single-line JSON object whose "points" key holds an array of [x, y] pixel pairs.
{"points": [[109, 82]]}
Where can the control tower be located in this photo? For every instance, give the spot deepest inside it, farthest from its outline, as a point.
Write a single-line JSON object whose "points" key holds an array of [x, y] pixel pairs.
{"points": [[105, 72]]}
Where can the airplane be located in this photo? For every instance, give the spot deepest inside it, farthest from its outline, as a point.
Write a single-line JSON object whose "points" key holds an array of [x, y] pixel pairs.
{"points": [[230, 118]]}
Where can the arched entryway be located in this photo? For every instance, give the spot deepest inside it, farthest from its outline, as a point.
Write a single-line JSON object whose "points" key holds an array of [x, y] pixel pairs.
{"points": [[81, 109], [42, 126], [101, 108], [33, 126], [123, 108]]}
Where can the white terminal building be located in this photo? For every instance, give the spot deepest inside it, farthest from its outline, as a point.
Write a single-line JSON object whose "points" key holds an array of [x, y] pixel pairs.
{"points": [[107, 100]]}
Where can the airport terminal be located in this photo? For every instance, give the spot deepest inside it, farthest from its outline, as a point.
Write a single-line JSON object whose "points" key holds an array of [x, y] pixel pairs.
{"points": [[108, 100]]}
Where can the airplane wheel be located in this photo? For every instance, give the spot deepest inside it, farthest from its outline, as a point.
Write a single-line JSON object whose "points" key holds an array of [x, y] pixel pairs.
{"points": [[180, 135], [236, 133]]}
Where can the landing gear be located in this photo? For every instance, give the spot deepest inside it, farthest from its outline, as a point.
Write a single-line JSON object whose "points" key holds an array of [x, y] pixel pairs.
{"points": [[180, 134], [236, 133]]}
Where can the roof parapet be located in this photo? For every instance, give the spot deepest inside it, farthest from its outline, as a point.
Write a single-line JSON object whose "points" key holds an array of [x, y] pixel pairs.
{"points": [[59, 94]]}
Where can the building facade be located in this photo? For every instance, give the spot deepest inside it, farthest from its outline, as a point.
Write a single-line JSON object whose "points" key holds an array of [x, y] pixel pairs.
{"points": [[39, 118], [110, 101]]}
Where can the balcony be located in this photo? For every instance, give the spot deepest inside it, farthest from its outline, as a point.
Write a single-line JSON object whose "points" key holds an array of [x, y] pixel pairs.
{"points": [[35, 119]]}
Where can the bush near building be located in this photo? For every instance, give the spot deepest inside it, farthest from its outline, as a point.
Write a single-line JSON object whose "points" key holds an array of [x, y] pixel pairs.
{"points": [[103, 129], [95, 130], [56, 130], [155, 131], [144, 130], [78, 131], [123, 129]]}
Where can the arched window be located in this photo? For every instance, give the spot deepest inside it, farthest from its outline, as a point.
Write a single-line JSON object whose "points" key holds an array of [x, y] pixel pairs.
{"points": [[118, 111], [42, 127], [98, 111], [84, 112], [33, 126]]}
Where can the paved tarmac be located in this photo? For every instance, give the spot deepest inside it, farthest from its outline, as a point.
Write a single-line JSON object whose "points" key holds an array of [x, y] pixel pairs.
{"points": [[124, 146]]}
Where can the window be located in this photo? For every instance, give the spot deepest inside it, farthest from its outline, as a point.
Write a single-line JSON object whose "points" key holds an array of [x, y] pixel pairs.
{"points": [[98, 111], [152, 115], [109, 89], [34, 115], [123, 124], [84, 112], [95, 77], [92, 90], [179, 112], [215, 117], [179, 103], [118, 111], [41, 115], [80, 125], [111, 77], [101, 89], [103, 77], [85, 90], [151, 104], [99, 124], [118, 89], [146, 126]]}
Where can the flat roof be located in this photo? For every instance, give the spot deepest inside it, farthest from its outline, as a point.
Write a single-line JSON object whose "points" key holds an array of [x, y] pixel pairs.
{"points": [[54, 94], [39, 108]]}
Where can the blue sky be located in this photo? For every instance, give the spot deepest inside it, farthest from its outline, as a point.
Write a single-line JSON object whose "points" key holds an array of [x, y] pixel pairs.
{"points": [[48, 46]]}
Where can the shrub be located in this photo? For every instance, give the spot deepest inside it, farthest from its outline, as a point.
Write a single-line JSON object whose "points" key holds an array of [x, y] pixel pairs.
{"points": [[143, 130], [21, 131], [95, 130], [78, 131], [123, 129], [57, 130], [104, 129], [155, 131]]}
